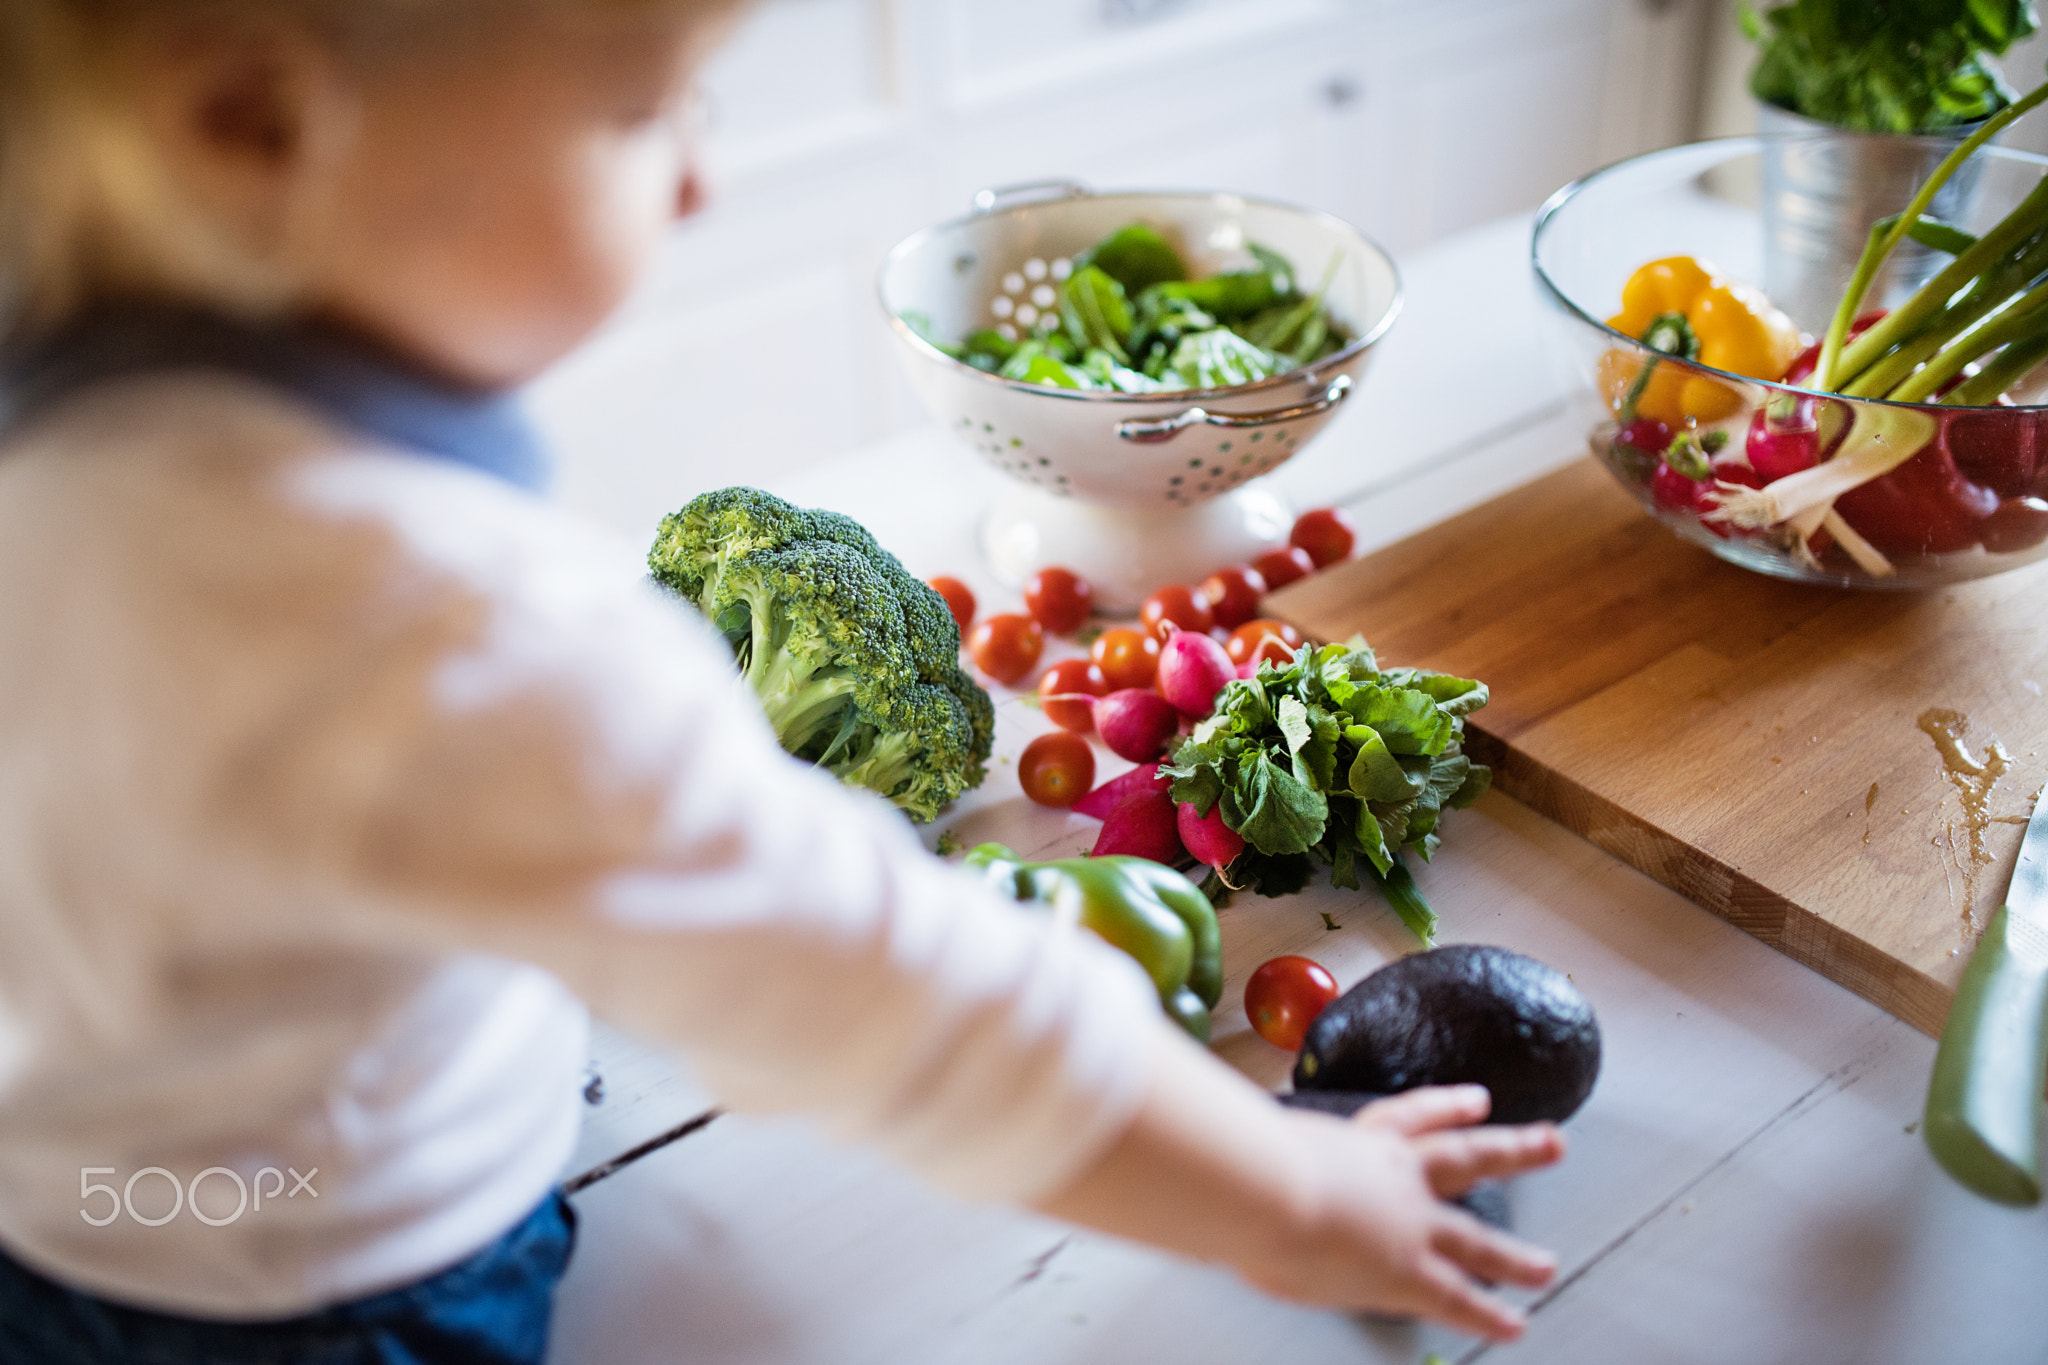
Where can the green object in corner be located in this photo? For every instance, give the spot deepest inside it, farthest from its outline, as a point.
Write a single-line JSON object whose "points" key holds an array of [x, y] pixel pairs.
{"points": [[1983, 1120], [1146, 909]]}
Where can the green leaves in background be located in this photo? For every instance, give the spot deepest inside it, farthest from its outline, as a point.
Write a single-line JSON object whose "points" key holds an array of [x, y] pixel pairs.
{"points": [[1886, 66]]}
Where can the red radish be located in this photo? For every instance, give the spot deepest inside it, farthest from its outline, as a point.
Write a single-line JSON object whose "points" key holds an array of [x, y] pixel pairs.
{"points": [[1675, 491], [1136, 723], [1142, 826], [1924, 507], [2018, 524], [1800, 372], [1646, 434], [2002, 450], [1785, 437], [1104, 800], [1192, 670], [1206, 836]]}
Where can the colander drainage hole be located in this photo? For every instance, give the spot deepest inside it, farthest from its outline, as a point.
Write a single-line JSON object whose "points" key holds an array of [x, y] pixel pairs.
{"points": [[1028, 296]]}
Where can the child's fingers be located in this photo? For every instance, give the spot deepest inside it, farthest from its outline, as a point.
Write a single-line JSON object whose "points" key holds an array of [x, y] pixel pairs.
{"points": [[1454, 1300], [1455, 1162], [1492, 1256], [1428, 1109]]}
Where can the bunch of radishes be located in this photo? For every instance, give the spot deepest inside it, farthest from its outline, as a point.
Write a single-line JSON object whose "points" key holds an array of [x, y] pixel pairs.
{"points": [[1139, 687]]}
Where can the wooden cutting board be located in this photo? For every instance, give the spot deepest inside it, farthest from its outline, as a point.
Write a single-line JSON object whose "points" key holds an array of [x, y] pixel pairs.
{"points": [[1758, 746]]}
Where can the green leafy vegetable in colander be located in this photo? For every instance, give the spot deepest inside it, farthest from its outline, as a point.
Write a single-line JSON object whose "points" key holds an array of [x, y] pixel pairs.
{"points": [[1128, 318]]}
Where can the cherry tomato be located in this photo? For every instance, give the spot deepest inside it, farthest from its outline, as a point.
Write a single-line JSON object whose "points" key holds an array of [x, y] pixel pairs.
{"points": [[1006, 646], [1057, 769], [1065, 691], [1284, 996], [1262, 639], [1187, 608], [959, 599], [1059, 600], [1127, 658], [1234, 594], [1326, 533], [1284, 565]]}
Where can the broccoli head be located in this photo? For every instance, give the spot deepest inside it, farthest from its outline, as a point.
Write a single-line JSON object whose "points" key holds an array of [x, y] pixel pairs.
{"points": [[856, 662]]}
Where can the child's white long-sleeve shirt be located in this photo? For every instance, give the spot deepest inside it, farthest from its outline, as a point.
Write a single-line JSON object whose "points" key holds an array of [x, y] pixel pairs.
{"points": [[331, 777]]}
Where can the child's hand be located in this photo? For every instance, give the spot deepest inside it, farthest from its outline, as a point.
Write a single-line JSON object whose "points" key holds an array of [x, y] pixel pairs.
{"points": [[1380, 1238], [1342, 1212]]}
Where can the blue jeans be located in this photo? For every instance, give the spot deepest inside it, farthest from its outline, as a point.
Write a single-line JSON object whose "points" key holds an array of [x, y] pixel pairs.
{"points": [[491, 1309]]}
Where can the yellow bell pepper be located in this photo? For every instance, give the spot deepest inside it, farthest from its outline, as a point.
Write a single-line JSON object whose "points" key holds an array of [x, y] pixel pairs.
{"points": [[1738, 329]]}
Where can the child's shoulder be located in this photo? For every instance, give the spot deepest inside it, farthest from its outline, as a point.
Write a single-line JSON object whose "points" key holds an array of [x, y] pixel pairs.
{"points": [[204, 499], [237, 468]]}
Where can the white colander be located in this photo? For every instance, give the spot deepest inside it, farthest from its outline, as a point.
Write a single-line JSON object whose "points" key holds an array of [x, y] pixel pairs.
{"points": [[1130, 490]]}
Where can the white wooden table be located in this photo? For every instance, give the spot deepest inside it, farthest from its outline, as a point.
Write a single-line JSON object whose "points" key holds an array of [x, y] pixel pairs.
{"points": [[1745, 1185]]}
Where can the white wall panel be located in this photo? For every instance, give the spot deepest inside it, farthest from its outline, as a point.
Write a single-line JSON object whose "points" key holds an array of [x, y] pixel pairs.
{"points": [[801, 76]]}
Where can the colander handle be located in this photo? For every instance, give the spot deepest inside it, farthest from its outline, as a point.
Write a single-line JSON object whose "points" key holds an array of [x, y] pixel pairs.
{"points": [[1030, 191], [1166, 428]]}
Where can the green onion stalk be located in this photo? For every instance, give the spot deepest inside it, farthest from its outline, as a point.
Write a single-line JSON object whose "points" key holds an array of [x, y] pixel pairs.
{"points": [[1985, 273], [1981, 320]]}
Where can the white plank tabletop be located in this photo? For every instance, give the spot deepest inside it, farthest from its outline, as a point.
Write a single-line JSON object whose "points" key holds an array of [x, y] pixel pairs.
{"points": [[1746, 1184]]}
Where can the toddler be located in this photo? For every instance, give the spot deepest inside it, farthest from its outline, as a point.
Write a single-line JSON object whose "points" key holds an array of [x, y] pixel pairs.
{"points": [[339, 773]]}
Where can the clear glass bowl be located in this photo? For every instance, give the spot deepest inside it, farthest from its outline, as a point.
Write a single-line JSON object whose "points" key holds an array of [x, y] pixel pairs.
{"points": [[1971, 501]]}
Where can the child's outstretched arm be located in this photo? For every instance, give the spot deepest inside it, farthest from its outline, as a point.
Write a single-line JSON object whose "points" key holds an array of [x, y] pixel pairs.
{"points": [[1347, 1213], [459, 723]]}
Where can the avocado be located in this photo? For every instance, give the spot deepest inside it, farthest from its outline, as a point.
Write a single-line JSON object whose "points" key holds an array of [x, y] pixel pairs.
{"points": [[1452, 1016]]}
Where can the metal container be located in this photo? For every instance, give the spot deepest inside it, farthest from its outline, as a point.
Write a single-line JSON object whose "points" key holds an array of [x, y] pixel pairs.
{"points": [[1822, 189]]}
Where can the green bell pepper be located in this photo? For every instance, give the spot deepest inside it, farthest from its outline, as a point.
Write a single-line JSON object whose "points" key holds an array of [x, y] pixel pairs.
{"points": [[1149, 911]]}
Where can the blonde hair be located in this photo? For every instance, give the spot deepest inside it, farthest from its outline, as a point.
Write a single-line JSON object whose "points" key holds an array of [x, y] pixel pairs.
{"points": [[89, 209]]}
